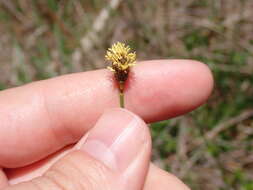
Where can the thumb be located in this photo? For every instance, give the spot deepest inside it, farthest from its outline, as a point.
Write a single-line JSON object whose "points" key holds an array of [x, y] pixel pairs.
{"points": [[114, 155]]}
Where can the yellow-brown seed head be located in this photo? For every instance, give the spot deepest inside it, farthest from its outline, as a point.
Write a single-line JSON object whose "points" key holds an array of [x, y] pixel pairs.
{"points": [[121, 60]]}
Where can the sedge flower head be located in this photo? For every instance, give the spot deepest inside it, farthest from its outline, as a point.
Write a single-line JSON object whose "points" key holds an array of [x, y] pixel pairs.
{"points": [[121, 59]]}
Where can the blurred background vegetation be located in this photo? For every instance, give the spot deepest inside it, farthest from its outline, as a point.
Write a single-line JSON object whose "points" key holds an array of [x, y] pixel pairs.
{"points": [[210, 148]]}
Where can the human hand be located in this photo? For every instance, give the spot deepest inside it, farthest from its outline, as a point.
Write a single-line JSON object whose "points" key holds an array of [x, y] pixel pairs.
{"points": [[39, 119]]}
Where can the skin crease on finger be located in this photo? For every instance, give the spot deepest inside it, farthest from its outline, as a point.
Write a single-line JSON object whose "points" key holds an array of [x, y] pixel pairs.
{"points": [[42, 117]]}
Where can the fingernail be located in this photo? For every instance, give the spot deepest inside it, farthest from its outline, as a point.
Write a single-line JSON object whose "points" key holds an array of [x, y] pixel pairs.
{"points": [[116, 139]]}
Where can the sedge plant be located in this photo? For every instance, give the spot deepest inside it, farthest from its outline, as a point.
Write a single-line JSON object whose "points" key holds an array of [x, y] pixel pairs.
{"points": [[122, 59]]}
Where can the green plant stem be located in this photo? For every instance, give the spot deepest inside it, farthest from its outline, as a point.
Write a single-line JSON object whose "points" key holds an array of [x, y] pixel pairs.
{"points": [[121, 94], [121, 99]]}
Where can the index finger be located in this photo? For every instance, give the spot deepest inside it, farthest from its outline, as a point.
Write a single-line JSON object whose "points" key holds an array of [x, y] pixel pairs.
{"points": [[42, 117]]}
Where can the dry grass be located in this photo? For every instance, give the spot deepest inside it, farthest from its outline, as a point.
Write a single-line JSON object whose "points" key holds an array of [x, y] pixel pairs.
{"points": [[210, 148]]}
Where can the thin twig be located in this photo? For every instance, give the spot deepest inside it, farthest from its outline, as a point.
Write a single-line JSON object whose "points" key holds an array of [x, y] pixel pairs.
{"points": [[211, 135], [229, 123], [188, 165], [181, 150], [12, 9], [183, 133], [88, 40], [246, 70], [225, 125]]}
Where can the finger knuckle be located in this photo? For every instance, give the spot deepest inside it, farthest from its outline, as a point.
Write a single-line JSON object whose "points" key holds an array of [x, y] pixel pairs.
{"points": [[72, 173]]}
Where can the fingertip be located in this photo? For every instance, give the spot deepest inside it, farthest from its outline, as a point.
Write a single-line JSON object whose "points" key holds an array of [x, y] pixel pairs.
{"points": [[193, 85], [121, 135], [202, 81], [121, 141], [171, 88], [205, 75]]}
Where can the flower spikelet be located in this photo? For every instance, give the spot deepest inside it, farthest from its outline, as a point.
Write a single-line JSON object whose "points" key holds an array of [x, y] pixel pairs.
{"points": [[121, 59]]}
